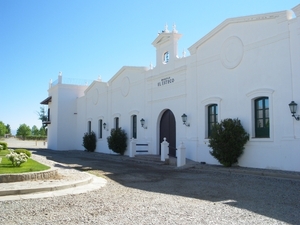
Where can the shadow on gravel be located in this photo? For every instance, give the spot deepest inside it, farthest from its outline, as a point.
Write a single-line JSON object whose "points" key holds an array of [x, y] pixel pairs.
{"points": [[271, 197]]}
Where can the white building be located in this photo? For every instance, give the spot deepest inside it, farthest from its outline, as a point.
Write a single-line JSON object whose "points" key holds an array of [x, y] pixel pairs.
{"points": [[246, 68]]}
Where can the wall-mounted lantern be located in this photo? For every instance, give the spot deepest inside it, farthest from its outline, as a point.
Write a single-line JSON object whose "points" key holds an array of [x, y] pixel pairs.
{"points": [[184, 119], [143, 123], [105, 126], [293, 109]]}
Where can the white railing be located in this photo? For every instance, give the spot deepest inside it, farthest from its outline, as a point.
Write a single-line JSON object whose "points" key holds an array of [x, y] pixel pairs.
{"points": [[72, 81], [54, 83], [76, 81]]}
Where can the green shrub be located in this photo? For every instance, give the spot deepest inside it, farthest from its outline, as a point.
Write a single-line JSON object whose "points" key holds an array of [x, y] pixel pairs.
{"points": [[16, 159], [36, 138], [4, 145], [89, 141], [25, 151], [117, 141], [227, 141]]}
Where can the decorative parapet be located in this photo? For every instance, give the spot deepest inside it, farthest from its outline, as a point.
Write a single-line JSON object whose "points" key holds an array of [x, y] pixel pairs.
{"points": [[71, 81]]}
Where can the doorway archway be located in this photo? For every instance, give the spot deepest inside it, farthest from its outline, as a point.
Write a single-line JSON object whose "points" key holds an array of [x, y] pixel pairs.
{"points": [[167, 129]]}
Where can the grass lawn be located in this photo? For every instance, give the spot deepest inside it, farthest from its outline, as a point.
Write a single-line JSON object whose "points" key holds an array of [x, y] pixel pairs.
{"points": [[29, 166]]}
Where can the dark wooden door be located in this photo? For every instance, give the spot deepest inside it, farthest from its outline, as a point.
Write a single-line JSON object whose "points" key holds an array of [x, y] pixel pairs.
{"points": [[168, 130]]}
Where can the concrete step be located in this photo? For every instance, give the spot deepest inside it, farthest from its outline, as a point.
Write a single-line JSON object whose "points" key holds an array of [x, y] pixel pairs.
{"points": [[152, 159], [147, 159]]}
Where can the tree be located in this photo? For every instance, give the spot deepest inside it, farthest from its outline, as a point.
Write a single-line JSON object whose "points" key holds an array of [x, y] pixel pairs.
{"points": [[35, 131], [227, 141], [43, 115], [2, 129], [43, 131], [117, 140], [23, 131], [8, 130]]}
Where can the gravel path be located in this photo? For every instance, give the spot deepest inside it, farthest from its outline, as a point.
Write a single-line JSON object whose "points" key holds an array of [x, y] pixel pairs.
{"points": [[144, 194], [118, 204]]}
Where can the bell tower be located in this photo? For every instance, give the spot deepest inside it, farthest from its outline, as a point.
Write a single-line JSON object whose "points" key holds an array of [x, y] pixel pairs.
{"points": [[166, 46]]}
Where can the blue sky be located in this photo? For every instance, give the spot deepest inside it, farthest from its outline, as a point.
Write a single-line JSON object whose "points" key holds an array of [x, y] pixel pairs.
{"points": [[87, 39]]}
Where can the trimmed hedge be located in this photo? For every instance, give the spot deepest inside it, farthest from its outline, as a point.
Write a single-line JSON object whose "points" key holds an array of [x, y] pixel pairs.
{"points": [[227, 141], [89, 141], [117, 141], [4, 145], [34, 138]]}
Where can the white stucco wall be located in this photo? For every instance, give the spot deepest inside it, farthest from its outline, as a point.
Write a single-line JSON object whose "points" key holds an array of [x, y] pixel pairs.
{"points": [[63, 113], [240, 60]]}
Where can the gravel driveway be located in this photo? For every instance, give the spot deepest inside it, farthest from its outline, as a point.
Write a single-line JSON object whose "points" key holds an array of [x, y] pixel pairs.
{"points": [[144, 194]]}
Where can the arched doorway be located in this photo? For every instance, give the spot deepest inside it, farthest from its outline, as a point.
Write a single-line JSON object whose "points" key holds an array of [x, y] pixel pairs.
{"points": [[167, 129]]}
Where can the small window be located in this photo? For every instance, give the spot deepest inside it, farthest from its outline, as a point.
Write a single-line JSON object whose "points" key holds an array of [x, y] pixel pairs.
{"points": [[89, 127], [262, 121], [49, 114], [166, 57], [134, 126], [116, 122], [212, 117], [100, 128]]}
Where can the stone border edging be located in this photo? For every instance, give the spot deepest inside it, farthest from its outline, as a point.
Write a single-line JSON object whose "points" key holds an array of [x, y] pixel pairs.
{"points": [[40, 175], [49, 188]]}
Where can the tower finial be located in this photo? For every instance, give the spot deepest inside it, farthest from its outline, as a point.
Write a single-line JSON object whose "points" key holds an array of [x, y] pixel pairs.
{"points": [[174, 28], [151, 66], [166, 28]]}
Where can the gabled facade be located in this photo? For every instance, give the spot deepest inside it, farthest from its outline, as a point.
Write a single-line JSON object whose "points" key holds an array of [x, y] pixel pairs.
{"points": [[246, 68]]}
